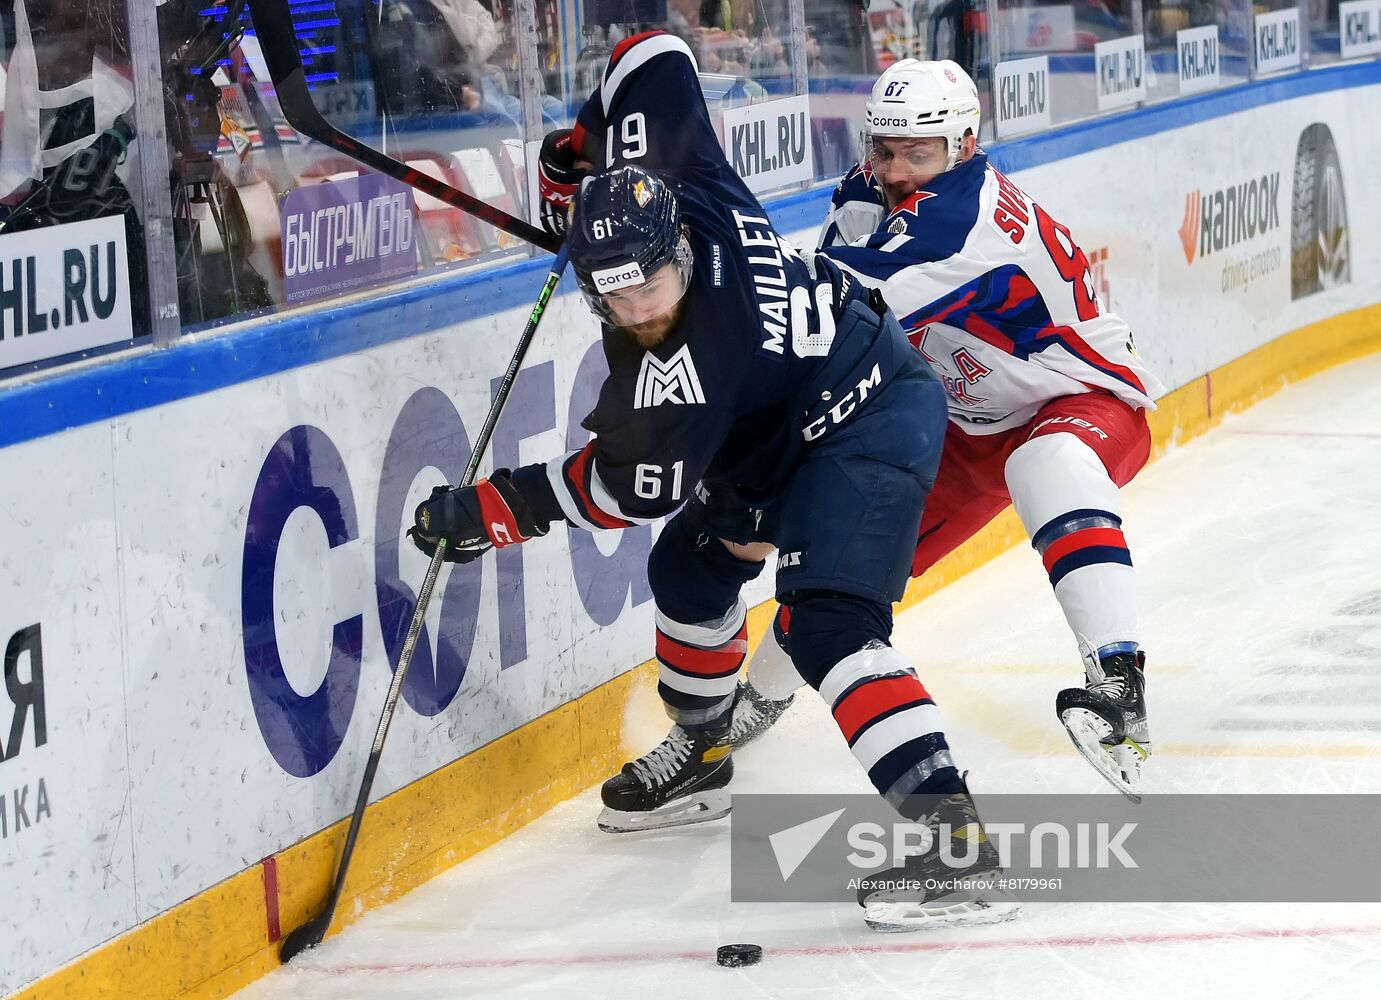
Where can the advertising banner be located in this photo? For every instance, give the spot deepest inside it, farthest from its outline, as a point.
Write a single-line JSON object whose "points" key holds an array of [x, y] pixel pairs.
{"points": [[1254, 238], [1198, 59], [1359, 28], [66, 821], [1023, 95], [1277, 41], [340, 236], [1120, 66], [63, 289], [769, 144]]}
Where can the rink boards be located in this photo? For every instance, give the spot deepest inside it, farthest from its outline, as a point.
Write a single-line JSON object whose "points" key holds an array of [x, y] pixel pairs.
{"points": [[204, 588]]}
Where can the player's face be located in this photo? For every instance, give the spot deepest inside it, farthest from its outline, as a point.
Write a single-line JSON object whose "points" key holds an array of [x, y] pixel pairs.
{"points": [[649, 311], [904, 166]]}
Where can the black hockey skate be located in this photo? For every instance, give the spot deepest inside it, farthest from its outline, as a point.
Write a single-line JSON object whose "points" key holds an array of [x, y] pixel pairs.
{"points": [[678, 782], [1106, 719], [952, 882], [754, 714]]}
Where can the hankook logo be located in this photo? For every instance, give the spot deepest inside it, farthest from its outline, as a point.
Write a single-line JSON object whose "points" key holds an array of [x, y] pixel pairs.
{"points": [[1217, 220]]}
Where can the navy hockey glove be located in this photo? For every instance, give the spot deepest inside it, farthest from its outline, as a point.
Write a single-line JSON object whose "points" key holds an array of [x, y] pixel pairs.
{"points": [[474, 519], [557, 179]]}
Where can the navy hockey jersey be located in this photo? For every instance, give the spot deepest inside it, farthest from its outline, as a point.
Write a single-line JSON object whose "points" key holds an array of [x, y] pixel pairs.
{"points": [[993, 291], [727, 398]]}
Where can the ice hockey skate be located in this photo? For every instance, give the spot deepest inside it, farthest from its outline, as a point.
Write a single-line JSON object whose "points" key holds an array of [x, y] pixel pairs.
{"points": [[754, 714], [897, 900], [678, 782], [1106, 719]]}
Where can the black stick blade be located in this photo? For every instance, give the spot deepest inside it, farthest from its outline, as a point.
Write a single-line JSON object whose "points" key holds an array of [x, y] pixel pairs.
{"points": [[309, 935]]}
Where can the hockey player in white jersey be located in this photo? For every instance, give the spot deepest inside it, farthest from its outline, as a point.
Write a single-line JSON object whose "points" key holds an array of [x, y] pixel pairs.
{"points": [[1047, 396]]}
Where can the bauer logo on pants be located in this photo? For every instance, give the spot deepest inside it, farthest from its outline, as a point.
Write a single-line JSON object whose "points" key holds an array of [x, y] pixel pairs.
{"points": [[1064, 848]]}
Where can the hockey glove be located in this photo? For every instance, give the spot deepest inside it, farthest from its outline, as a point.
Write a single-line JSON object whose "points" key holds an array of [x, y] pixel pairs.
{"points": [[557, 179], [474, 519]]}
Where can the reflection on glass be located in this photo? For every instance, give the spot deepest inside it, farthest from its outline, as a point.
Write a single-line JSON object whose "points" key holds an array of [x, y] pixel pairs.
{"points": [[436, 83], [72, 271], [433, 83], [1075, 45], [742, 47], [1195, 45]]}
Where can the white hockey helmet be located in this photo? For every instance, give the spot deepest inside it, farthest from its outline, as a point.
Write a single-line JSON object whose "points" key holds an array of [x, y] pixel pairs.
{"points": [[915, 99]]}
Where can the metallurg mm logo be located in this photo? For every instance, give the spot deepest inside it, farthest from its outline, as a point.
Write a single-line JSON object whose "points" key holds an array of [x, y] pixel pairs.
{"points": [[1217, 220], [671, 381]]}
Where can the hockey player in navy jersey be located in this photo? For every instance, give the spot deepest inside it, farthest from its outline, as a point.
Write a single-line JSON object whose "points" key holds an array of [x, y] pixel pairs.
{"points": [[1047, 396], [771, 400]]}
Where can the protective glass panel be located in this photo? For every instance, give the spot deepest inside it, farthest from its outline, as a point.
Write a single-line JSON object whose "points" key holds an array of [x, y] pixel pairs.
{"points": [[742, 49], [1195, 45], [1335, 25], [843, 71], [741, 46], [265, 217], [1063, 61], [1276, 35], [72, 270]]}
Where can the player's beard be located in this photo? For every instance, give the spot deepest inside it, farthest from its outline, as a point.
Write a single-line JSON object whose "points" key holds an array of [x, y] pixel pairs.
{"points": [[651, 333]]}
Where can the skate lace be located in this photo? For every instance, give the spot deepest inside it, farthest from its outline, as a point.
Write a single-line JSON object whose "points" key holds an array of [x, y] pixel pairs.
{"points": [[746, 716], [1114, 686], [659, 765]]}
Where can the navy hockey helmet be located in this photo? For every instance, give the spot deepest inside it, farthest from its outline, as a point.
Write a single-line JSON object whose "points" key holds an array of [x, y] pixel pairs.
{"points": [[626, 226]]}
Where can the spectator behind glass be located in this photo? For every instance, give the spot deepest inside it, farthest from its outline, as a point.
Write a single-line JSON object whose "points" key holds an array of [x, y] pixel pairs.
{"points": [[838, 30]]}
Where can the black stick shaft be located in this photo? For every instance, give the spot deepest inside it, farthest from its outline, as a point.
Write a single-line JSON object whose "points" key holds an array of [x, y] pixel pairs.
{"points": [[274, 29], [312, 932]]}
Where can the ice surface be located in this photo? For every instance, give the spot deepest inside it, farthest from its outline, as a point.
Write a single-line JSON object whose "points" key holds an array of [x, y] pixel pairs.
{"points": [[1258, 549]]}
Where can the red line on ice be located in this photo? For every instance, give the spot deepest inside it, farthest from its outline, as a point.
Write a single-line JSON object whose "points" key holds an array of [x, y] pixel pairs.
{"points": [[898, 948]]}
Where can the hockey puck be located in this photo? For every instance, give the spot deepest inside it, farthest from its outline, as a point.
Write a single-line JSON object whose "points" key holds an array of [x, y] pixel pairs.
{"points": [[735, 956]]}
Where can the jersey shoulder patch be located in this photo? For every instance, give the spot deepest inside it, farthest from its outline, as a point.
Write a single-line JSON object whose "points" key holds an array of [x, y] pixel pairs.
{"points": [[857, 185], [939, 218]]}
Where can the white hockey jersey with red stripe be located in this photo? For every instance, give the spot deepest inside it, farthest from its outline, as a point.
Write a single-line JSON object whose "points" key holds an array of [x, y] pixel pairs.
{"points": [[994, 293]]}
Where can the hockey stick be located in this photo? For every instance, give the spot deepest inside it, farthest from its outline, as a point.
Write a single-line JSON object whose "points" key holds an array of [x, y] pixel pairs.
{"points": [[274, 29], [311, 933]]}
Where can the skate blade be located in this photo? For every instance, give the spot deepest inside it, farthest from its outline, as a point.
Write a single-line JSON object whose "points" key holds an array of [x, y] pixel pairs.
{"points": [[1119, 765], [700, 807], [947, 911]]}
